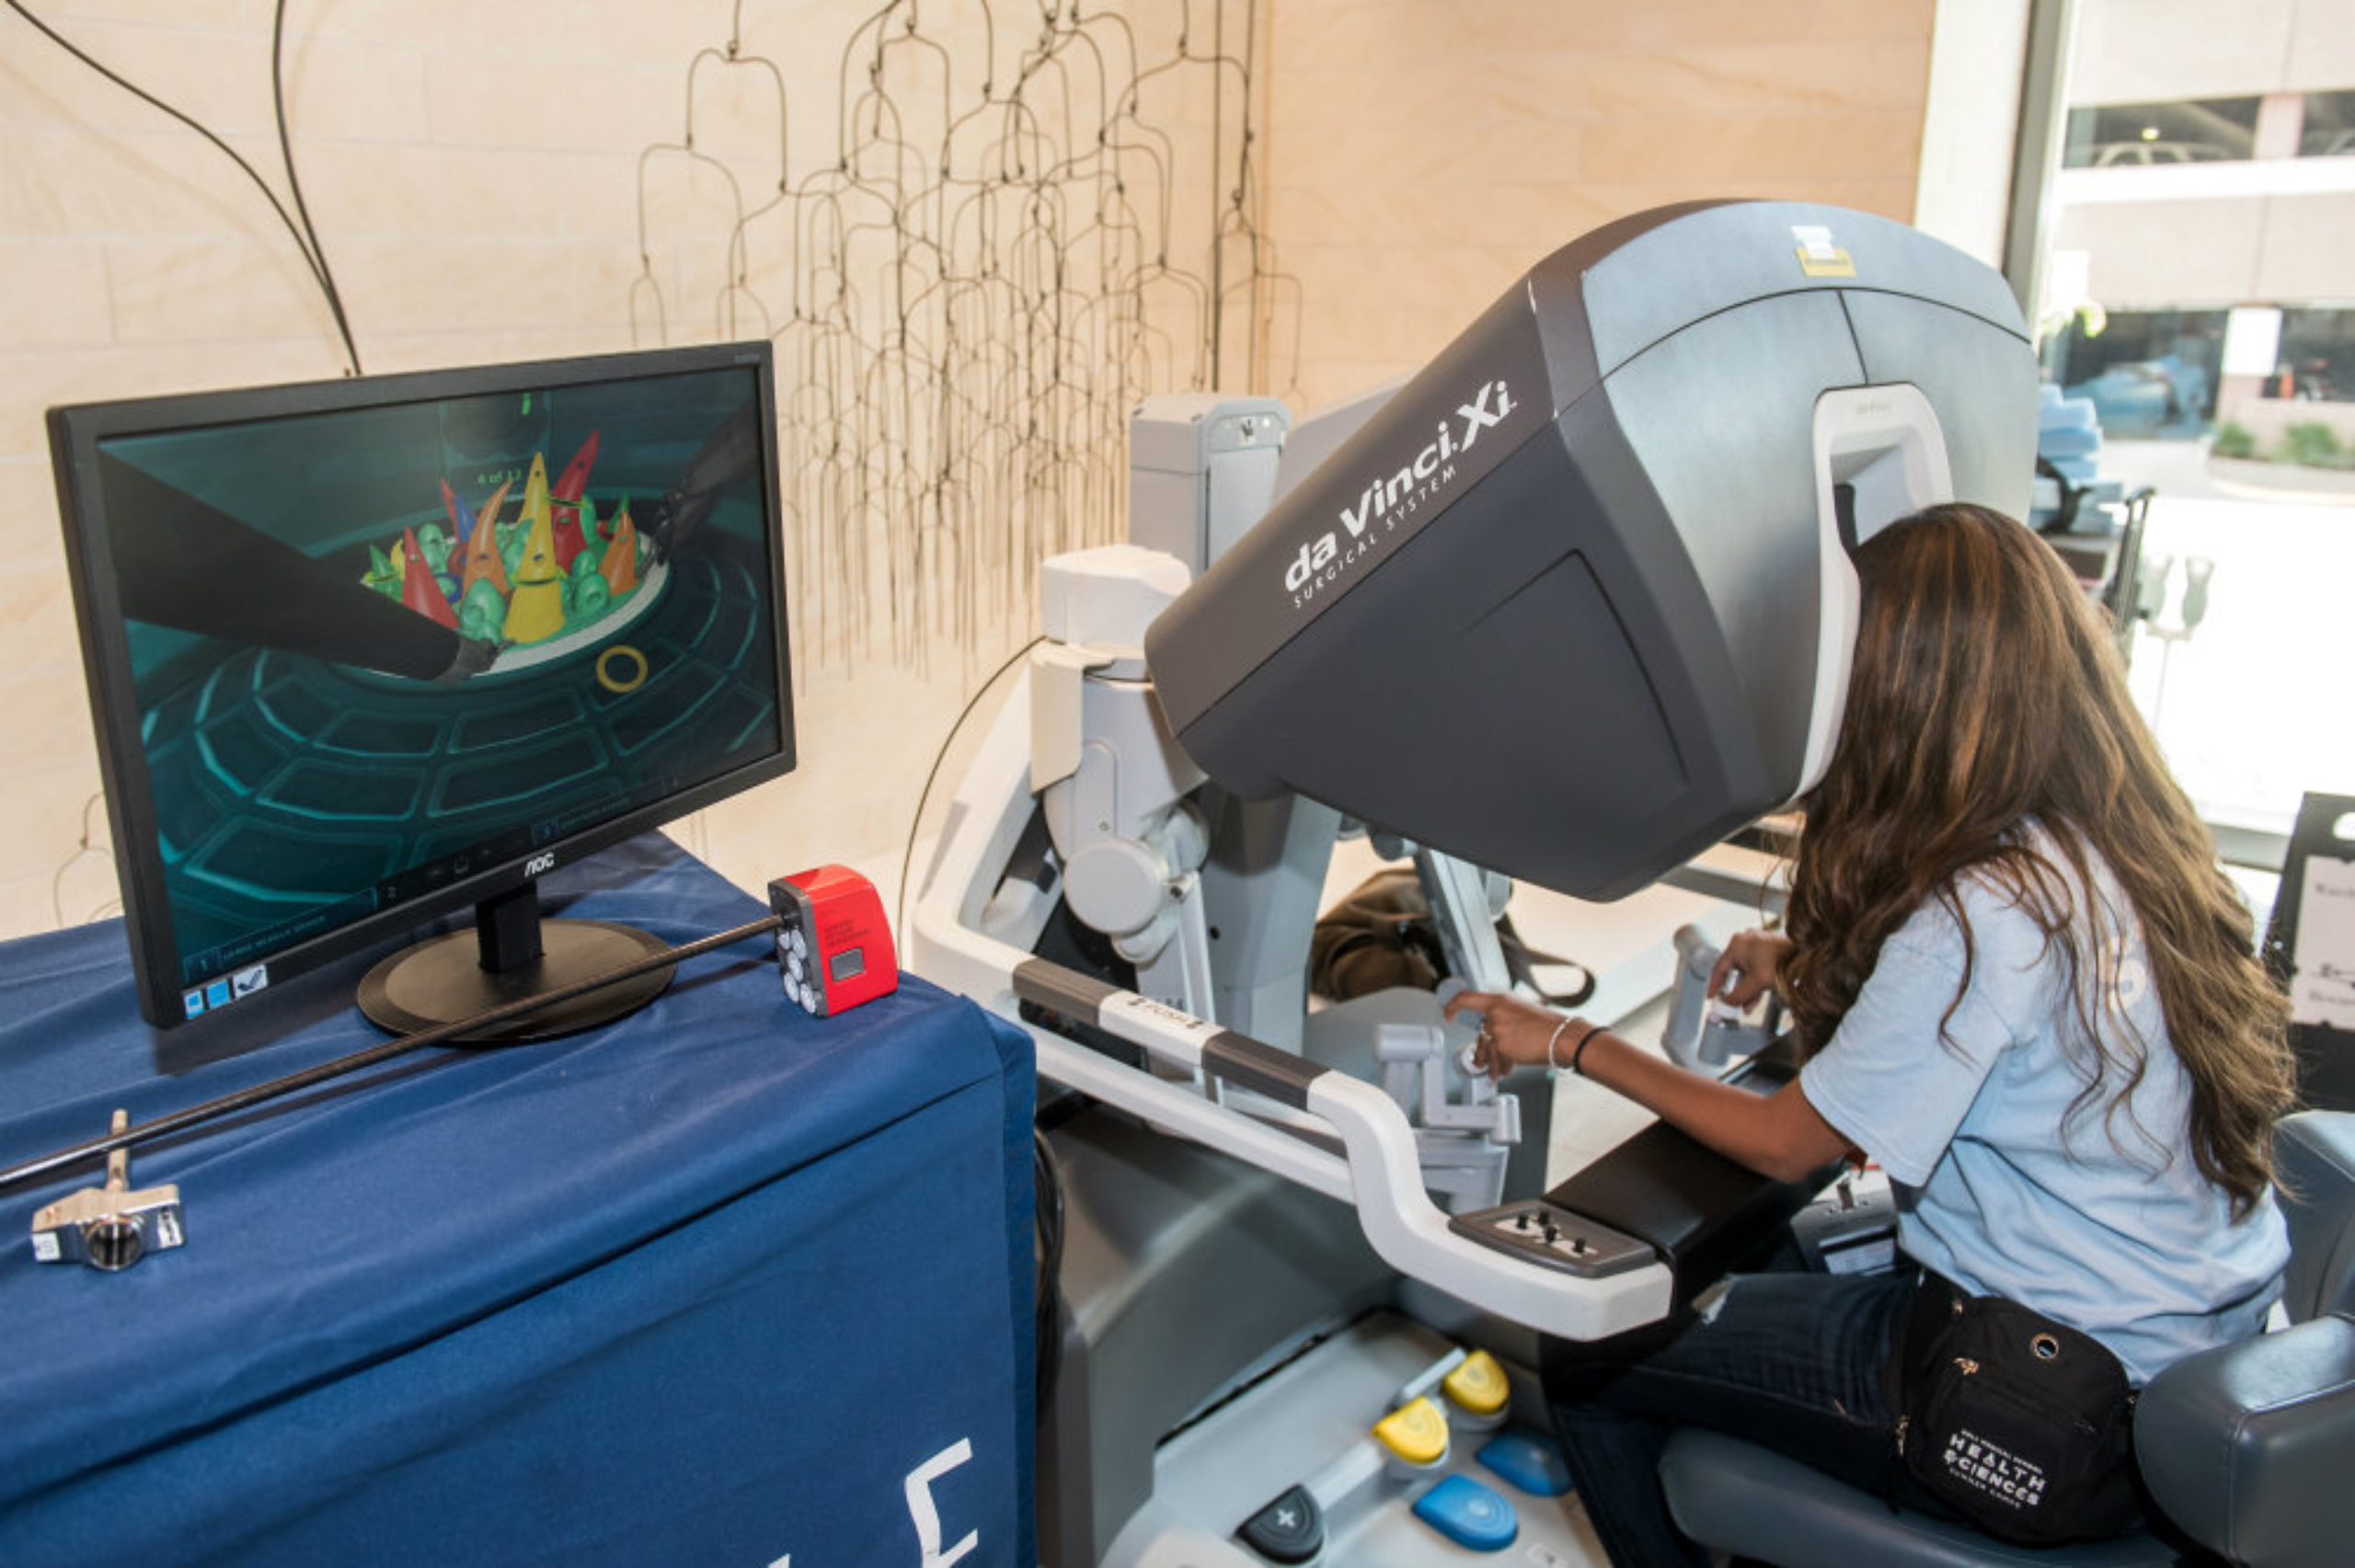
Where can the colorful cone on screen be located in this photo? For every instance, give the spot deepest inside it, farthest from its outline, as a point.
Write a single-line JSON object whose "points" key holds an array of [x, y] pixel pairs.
{"points": [[535, 609], [418, 590], [619, 567], [574, 481], [568, 489], [483, 563], [381, 575], [565, 536], [491, 508], [537, 510], [462, 521]]}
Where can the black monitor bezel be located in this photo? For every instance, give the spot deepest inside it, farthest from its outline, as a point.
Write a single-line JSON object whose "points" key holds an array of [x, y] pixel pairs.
{"points": [[76, 432]]}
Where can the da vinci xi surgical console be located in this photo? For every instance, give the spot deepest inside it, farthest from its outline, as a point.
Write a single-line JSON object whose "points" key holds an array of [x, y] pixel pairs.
{"points": [[1572, 605]]}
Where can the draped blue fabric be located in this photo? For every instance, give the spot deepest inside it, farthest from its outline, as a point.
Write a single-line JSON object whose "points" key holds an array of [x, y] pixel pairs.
{"points": [[719, 1283]]}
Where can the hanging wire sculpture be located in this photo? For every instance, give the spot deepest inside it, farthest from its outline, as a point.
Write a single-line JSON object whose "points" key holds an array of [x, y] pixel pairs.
{"points": [[1006, 246]]}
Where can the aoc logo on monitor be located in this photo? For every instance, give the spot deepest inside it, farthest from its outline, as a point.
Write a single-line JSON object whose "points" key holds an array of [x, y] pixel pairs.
{"points": [[539, 866], [1320, 561]]}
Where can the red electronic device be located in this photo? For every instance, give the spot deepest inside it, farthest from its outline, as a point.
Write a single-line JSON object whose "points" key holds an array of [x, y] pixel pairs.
{"points": [[834, 950]]}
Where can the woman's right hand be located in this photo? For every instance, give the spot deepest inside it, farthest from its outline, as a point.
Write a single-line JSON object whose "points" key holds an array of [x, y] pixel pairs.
{"points": [[1748, 968]]}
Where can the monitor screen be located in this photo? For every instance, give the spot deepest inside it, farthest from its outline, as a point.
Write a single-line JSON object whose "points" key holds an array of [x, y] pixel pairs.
{"points": [[363, 652]]}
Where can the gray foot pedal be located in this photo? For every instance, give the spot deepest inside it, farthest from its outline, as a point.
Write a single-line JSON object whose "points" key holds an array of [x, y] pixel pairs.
{"points": [[1291, 1529]]}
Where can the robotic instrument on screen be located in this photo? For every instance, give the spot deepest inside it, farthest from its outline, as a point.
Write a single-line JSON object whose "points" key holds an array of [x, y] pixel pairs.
{"points": [[1572, 604]]}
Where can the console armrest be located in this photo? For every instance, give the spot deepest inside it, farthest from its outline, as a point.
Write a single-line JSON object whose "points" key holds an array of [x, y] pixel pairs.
{"points": [[2248, 1446], [1706, 1214]]}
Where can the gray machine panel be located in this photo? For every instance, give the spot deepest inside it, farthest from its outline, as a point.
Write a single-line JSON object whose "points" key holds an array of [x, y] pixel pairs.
{"points": [[1974, 373], [1748, 531], [1664, 275], [1554, 610]]}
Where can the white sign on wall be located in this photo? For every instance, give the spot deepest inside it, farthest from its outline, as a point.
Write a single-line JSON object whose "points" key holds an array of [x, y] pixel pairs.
{"points": [[2252, 340], [2322, 989]]}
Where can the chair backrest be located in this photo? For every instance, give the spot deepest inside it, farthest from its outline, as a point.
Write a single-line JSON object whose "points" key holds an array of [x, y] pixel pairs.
{"points": [[2248, 1445], [2314, 1157]]}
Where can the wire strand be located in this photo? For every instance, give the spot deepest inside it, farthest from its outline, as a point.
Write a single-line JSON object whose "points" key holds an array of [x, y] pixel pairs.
{"points": [[1001, 253], [915, 823], [320, 269], [312, 258]]}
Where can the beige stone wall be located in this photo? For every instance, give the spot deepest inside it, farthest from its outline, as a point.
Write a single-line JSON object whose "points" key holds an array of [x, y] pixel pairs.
{"points": [[2148, 50], [475, 174], [1424, 153], [2209, 248]]}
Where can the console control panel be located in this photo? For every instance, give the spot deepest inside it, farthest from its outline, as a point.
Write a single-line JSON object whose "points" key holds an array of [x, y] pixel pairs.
{"points": [[1554, 1238]]}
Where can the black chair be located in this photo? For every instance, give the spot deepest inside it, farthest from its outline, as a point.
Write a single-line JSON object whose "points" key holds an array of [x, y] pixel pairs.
{"points": [[2249, 1448]]}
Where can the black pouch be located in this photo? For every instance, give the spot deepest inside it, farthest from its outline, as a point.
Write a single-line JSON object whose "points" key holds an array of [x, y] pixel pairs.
{"points": [[2022, 1426]]}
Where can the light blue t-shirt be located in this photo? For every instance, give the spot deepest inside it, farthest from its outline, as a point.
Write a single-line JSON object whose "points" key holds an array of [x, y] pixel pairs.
{"points": [[2106, 1224]]}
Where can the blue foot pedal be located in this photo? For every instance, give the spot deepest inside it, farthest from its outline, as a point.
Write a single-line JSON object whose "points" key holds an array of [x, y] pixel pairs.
{"points": [[1529, 1460], [1469, 1514]]}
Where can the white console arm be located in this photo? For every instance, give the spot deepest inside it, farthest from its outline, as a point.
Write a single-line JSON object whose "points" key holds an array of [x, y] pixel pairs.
{"points": [[1405, 1228]]}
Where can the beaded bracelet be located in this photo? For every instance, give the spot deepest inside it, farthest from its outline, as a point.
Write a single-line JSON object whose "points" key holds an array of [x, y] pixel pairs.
{"points": [[1553, 1067]]}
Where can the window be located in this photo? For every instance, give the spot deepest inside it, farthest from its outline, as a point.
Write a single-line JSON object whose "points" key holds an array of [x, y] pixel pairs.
{"points": [[2195, 131], [2148, 372], [2329, 129], [2317, 357], [2223, 378]]}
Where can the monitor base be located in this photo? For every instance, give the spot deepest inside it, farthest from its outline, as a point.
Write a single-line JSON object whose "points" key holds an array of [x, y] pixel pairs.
{"points": [[441, 981]]}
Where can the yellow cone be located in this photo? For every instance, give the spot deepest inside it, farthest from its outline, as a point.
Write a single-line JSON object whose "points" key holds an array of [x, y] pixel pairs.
{"points": [[535, 609], [536, 512]]}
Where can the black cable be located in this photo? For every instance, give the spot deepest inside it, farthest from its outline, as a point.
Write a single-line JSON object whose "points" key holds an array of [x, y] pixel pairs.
{"points": [[312, 258], [1046, 1177], [907, 857], [294, 184], [343, 1066], [1047, 1302]]}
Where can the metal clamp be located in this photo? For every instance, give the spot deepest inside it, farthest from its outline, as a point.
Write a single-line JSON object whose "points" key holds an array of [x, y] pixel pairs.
{"points": [[109, 1228]]}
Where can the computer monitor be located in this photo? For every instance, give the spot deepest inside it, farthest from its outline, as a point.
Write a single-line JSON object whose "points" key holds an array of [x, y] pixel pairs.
{"points": [[363, 652]]}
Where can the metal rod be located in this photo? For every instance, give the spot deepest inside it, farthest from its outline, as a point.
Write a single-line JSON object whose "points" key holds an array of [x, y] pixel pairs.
{"points": [[124, 1136], [119, 1162]]}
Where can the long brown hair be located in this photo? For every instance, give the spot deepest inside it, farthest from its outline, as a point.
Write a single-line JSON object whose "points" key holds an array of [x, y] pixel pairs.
{"points": [[1987, 694]]}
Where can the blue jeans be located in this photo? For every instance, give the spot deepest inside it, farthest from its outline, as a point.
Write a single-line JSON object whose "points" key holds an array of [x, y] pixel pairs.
{"points": [[1792, 1360]]}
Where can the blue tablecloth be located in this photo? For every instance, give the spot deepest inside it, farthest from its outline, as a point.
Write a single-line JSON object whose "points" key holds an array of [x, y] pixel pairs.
{"points": [[718, 1283]]}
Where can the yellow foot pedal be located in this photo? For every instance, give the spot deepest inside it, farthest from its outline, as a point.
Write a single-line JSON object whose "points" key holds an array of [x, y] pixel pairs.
{"points": [[1477, 1387], [1415, 1433]]}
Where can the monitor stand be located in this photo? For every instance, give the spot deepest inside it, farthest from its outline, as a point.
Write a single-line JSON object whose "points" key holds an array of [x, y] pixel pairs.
{"points": [[511, 953]]}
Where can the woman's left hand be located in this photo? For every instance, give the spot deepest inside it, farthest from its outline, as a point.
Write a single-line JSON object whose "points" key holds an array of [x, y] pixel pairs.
{"points": [[1514, 1033]]}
